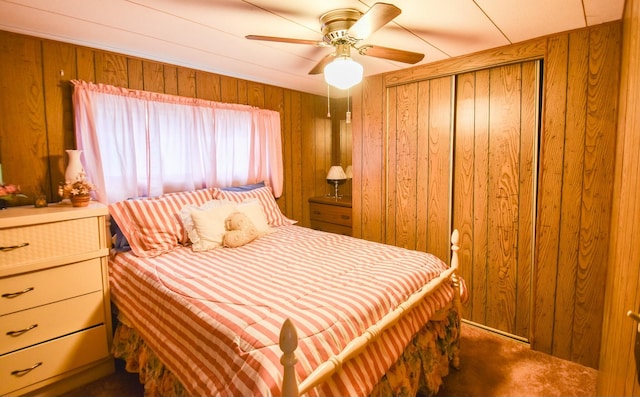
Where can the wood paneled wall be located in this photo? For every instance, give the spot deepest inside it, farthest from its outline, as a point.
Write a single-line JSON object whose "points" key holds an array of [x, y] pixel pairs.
{"points": [[577, 148], [36, 122], [618, 366], [581, 85]]}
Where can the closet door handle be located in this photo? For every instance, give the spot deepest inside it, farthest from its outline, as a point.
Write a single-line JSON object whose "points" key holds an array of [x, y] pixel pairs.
{"points": [[635, 317]]}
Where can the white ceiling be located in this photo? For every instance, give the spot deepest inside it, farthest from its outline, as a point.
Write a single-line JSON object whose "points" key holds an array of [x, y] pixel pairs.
{"points": [[210, 35]]}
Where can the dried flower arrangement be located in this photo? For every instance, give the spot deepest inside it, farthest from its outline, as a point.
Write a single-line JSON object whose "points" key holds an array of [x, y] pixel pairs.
{"points": [[79, 187]]}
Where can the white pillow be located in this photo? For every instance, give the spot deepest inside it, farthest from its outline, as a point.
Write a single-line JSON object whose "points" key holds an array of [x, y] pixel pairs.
{"points": [[210, 227], [252, 208], [275, 217]]}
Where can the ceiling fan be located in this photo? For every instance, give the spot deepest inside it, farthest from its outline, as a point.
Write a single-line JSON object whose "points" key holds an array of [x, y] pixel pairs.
{"points": [[347, 28]]}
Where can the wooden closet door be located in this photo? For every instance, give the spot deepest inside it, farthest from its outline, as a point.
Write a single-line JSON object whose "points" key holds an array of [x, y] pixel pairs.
{"points": [[495, 152], [419, 166]]}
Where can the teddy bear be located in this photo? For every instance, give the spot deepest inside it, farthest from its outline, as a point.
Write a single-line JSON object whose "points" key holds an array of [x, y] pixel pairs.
{"points": [[240, 230]]}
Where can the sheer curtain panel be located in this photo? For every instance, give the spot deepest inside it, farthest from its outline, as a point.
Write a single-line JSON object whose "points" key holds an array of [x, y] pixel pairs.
{"points": [[138, 143]]}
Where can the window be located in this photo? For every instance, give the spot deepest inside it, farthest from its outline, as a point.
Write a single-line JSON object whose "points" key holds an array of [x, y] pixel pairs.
{"points": [[138, 143]]}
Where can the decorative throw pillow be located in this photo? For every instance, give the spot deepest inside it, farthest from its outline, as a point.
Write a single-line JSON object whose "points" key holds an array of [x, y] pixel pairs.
{"points": [[253, 209], [275, 217], [187, 219], [209, 226]]}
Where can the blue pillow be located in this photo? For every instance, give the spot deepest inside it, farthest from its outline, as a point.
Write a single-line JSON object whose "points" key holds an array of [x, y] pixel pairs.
{"points": [[244, 188], [120, 242]]}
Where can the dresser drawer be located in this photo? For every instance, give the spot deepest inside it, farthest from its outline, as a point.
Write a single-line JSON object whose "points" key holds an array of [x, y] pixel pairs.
{"points": [[52, 358], [331, 228], [28, 290], [330, 213], [28, 327], [48, 241]]}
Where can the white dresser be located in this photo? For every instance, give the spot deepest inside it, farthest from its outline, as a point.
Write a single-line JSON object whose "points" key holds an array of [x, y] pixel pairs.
{"points": [[55, 318]]}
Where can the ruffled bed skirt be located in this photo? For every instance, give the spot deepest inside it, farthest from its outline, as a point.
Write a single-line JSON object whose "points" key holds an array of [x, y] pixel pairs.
{"points": [[419, 371]]}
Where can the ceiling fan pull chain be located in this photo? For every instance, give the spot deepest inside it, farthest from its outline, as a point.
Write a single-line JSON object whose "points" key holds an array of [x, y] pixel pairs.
{"points": [[348, 108], [328, 101]]}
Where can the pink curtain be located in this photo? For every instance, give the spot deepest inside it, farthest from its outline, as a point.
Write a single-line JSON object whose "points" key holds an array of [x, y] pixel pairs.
{"points": [[137, 143]]}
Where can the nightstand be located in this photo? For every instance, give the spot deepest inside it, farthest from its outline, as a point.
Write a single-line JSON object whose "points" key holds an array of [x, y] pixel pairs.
{"points": [[330, 214], [55, 316]]}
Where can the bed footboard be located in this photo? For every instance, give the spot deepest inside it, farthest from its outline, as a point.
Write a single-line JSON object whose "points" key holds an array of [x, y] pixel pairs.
{"points": [[428, 355], [289, 338]]}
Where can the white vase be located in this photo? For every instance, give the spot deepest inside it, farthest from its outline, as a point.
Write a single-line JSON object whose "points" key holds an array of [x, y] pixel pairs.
{"points": [[74, 167]]}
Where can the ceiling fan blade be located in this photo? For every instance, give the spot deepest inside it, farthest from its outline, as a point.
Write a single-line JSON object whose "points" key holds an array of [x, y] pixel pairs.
{"points": [[319, 68], [378, 15], [392, 54], [286, 40]]}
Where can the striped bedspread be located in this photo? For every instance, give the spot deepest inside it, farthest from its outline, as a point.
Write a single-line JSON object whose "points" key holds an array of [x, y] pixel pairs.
{"points": [[214, 317]]}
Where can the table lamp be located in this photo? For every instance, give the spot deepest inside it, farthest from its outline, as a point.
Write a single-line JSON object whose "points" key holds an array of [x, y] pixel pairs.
{"points": [[336, 176]]}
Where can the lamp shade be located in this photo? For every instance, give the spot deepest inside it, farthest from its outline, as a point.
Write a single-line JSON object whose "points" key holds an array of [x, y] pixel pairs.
{"points": [[336, 173], [343, 72], [349, 172]]}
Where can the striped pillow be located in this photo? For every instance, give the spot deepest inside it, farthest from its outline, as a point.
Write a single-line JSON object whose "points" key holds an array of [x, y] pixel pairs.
{"points": [[275, 217], [153, 226]]}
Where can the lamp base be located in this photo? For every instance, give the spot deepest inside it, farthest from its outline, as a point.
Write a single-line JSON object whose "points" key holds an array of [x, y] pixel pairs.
{"points": [[336, 195]]}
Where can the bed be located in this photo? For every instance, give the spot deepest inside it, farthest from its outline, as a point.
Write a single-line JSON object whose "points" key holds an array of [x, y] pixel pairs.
{"points": [[294, 311]]}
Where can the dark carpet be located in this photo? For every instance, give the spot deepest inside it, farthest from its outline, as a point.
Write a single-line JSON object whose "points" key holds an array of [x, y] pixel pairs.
{"points": [[491, 365]]}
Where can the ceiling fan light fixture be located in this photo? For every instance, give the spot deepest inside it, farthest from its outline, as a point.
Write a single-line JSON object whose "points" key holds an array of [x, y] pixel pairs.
{"points": [[343, 73]]}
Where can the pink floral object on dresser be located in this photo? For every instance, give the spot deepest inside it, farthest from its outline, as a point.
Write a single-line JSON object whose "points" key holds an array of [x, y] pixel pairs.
{"points": [[8, 192]]}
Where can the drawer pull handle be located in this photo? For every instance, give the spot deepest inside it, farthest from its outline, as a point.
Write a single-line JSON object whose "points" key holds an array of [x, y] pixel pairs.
{"points": [[345, 217], [16, 294], [634, 316], [21, 372], [12, 247], [22, 331]]}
